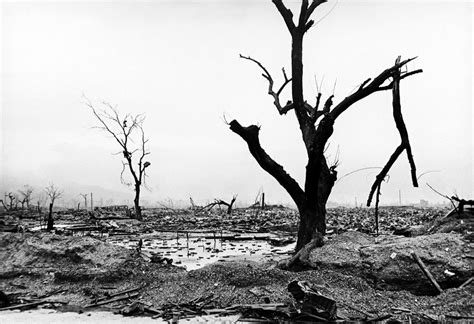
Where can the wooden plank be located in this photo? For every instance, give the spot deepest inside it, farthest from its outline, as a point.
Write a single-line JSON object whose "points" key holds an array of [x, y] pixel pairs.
{"points": [[426, 272]]}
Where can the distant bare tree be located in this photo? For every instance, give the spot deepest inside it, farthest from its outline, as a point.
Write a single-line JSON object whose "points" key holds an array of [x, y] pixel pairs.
{"points": [[220, 202], [10, 201], [85, 199], [53, 193], [26, 196], [123, 130], [40, 200]]}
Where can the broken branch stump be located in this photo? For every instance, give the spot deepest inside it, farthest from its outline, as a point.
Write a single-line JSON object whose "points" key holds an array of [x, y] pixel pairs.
{"points": [[426, 272]]}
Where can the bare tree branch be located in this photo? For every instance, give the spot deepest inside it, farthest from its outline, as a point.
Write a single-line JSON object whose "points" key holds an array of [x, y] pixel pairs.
{"points": [[250, 135], [405, 142], [286, 14], [53, 192], [302, 18], [368, 88], [314, 4], [276, 95], [309, 12]]}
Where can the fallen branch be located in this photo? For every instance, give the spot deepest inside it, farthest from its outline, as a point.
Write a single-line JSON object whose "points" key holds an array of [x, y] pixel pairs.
{"points": [[29, 305], [426, 272], [220, 202], [467, 282]]}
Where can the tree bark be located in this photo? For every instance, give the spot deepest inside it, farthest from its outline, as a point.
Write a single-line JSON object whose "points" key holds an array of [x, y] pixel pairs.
{"points": [[313, 210], [138, 210], [229, 207], [50, 225]]}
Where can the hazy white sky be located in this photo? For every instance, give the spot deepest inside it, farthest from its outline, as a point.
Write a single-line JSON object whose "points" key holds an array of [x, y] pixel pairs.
{"points": [[178, 63]]}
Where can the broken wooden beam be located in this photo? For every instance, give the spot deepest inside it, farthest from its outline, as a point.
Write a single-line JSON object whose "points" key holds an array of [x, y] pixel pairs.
{"points": [[426, 272]]}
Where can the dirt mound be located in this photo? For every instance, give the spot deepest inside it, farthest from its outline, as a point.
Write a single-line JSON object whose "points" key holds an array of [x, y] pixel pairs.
{"points": [[65, 256], [387, 261], [454, 221]]}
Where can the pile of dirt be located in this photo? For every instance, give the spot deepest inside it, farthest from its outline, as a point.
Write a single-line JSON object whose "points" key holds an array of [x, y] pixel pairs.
{"points": [[233, 283], [67, 257], [454, 221], [387, 261]]}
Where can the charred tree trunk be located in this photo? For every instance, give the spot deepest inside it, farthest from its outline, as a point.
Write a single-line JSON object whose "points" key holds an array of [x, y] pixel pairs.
{"points": [[229, 207], [50, 225], [313, 210], [136, 201]]}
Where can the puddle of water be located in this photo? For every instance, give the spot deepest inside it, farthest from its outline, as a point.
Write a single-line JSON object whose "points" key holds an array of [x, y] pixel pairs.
{"points": [[38, 228], [196, 251]]}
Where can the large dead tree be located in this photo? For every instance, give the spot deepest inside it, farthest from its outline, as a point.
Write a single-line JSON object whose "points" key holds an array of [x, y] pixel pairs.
{"points": [[133, 146], [316, 122]]}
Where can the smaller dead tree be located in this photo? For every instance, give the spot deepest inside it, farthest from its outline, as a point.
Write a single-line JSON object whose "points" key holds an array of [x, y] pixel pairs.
{"points": [[40, 200], [53, 193], [220, 202], [85, 200], [123, 130], [26, 196], [10, 201]]}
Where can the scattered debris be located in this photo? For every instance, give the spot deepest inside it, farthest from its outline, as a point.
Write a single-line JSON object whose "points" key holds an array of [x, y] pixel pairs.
{"points": [[78, 266], [310, 301], [109, 301]]}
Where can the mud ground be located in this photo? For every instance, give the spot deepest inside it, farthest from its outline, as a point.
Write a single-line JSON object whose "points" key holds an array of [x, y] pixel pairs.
{"points": [[79, 269]]}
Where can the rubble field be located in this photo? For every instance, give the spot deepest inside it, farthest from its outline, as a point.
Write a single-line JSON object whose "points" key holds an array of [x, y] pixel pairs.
{"points": [[366, 276]]}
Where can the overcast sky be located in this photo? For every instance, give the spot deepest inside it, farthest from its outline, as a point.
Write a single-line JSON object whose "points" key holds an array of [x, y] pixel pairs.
{"points": [[178, 63]]}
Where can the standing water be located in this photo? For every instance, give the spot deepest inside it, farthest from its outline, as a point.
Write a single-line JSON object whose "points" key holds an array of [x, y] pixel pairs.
{"points": [[195, 250]]}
